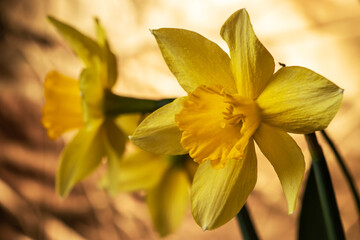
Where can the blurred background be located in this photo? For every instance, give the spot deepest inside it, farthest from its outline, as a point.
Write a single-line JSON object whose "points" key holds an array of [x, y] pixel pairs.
{"points": [[322, 35]]}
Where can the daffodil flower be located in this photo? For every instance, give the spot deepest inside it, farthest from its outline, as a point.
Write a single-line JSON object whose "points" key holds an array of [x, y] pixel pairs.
{"points": [[85, 105], [232, 102], [166, 181]]}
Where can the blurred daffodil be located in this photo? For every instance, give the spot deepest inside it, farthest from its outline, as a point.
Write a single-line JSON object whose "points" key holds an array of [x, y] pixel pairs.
{"points": [[231, 102], [85, 105], [166, 180]]}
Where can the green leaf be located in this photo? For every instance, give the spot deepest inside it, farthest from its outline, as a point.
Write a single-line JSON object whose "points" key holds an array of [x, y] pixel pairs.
{"points": [[246, 225], [311, 225], [345, 170], [329, 208]]}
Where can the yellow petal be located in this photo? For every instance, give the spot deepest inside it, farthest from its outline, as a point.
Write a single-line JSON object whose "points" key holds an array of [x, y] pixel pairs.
{"points": [[286, 158], [168, 201], [114, 143], [100, 33], [86, 48], [140, 171], [252, 65], [108, 55], [79, 158], [299, 100], [98, 58], [128, 122], [212, 127], [62, 110], [217, 195], [92, 94], [194, 60], [158, 133]]}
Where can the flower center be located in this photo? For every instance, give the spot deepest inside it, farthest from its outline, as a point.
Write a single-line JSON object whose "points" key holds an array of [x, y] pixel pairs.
{"points": [[244, 112], [217, 126], [230, 118]]}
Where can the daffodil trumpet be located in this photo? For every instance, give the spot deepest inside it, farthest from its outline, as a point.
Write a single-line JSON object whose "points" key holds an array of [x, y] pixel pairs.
{"points": [[231, 103]]}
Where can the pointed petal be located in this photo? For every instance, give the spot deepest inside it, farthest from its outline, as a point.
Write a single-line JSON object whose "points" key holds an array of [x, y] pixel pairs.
{"points": [[92, 93], [286, 158], [168, 201], [110, 58], [217, 195], [128, 122], [79, 158], [100, 33], [158, 133], [252, 65], [114, 138], [139, 171], [114, 143], [299, 100], [86, 48], [62, 110], [194, 60]]}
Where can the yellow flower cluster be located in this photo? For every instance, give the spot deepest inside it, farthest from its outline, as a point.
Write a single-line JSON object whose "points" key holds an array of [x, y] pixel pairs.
{"points": [[232, 103], [82, 104]]}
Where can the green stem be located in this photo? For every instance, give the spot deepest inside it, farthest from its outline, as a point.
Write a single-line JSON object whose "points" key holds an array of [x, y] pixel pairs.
{"points": [[345, 170], [247, 228], [329, 207], [115, 104]]}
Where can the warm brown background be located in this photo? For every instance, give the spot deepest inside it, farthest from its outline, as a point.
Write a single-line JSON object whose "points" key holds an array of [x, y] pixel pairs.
{"points": [[321, 35]]}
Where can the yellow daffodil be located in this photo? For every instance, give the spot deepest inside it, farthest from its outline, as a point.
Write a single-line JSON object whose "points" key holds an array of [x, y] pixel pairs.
{"points": [[166, 181], [231, 102], [83, 105]]}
